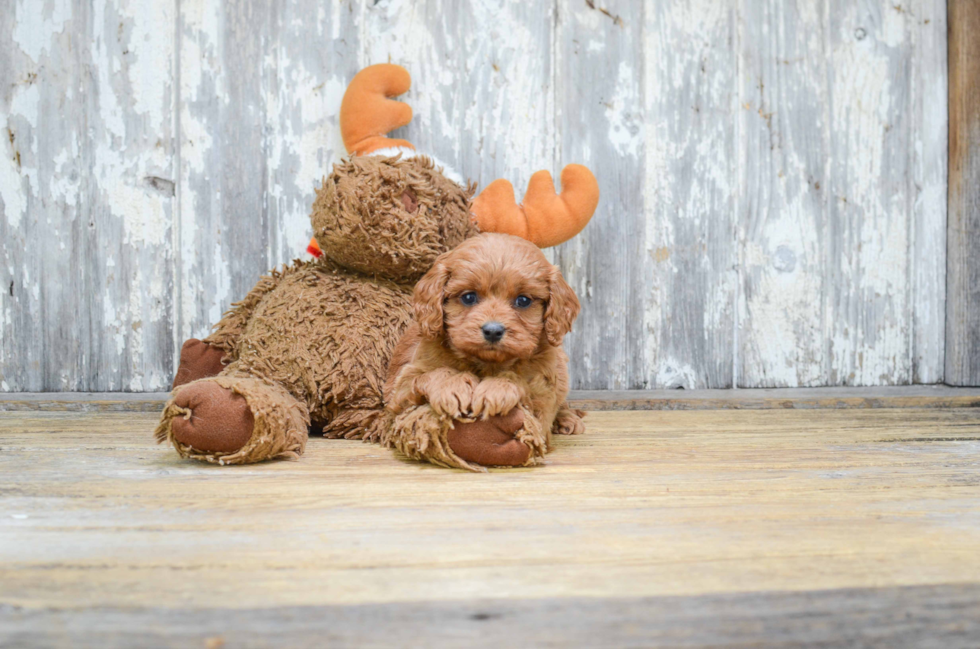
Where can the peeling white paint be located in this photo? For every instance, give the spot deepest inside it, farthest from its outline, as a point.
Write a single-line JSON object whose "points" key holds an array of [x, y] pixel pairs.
{"points": [[11, 186], [625, 128], [710, 126], [21, 120], [152, 38], [305, 113], [674, 374], [88, 119], [689, 190], [34, 28], [220, 299]]}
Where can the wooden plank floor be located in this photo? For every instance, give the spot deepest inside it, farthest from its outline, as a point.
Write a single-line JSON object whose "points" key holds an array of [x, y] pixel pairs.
{"points": [[893, 396], [674, 528]]}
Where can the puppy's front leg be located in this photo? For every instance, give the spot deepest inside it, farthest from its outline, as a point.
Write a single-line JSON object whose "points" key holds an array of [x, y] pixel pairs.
{"points": [[448, 391], [497, 395]]}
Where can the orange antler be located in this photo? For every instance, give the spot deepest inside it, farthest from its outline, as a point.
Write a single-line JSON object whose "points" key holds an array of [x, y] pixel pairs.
{"points": [[546, 218], [367, 112]]}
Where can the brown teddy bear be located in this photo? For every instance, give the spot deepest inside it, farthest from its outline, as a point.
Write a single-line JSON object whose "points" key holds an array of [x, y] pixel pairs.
{"points": [[310, 344]]}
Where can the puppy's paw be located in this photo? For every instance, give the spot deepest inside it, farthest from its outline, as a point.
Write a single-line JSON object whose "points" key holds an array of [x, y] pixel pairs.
{"points": [[453, 396], [495, 396], [569, 422]]}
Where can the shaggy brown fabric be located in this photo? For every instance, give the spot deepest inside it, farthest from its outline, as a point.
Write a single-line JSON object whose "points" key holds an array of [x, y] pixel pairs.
{"points": [[280, 422], [325, 335], [421, 433], [311, 342], [198, 360], [363, 222]]}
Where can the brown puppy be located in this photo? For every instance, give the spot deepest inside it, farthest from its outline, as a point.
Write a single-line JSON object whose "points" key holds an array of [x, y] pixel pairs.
{"points": [[490, 318]]}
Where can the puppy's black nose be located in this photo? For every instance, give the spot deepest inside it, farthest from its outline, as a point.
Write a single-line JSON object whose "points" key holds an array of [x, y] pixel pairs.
{"points": [[493, 331]]}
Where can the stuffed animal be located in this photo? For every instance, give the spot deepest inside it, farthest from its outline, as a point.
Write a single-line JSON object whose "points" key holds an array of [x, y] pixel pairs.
{"points": [[310, 345]]}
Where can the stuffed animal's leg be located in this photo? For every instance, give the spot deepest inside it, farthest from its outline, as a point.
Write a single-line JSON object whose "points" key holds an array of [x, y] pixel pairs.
{"points": [[198, 360], [513, 439], [423, 434], [368, 424], [492, 441], [230, 419]]}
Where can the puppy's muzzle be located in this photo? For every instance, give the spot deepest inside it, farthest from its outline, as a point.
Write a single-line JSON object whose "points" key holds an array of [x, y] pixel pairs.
{"points": [[493, 332]]}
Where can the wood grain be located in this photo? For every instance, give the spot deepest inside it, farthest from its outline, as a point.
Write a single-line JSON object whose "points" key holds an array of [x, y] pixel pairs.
{"points": [[772, 174], [87, 163], [690, 190], [834, 106], [963, 234], [907, 396], [599, 104], [928, 103], [482, 81], [912, 396], [896, 617], [258, 109], [100, 524]]}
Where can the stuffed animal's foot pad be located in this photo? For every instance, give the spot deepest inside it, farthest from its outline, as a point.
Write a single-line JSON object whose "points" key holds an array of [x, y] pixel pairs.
{"points": [[215, 419], [491, 442], [198, 360]]}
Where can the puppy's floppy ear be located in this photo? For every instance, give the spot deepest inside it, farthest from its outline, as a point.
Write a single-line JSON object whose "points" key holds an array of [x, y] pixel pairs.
{"points": [[428, 298], [562, 309]]}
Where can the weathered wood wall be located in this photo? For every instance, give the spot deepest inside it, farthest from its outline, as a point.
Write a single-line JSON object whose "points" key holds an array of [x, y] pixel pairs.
{"points": [[963, 234], [773, 172]]}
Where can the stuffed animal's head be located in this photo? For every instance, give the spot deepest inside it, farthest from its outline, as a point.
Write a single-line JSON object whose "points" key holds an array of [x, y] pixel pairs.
{"points": [[390, 212], [390, 216]]}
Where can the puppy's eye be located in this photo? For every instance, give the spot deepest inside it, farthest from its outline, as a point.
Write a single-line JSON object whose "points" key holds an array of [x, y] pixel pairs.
{"points": [[469, 298], [522, 301]]}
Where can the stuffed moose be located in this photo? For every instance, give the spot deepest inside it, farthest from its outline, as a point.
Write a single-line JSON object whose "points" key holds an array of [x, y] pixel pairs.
{"points": [[311, 343]]}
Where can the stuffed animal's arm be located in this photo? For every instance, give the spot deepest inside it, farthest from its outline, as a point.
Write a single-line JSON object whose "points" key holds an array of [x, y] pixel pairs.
{"points": [[227, 332]]}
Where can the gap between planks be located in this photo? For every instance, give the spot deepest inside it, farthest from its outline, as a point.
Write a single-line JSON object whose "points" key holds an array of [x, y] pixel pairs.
{"points": [[910, 396]]}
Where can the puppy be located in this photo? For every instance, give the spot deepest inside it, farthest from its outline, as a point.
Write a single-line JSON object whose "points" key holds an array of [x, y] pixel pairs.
{"points": [[490, 318]]}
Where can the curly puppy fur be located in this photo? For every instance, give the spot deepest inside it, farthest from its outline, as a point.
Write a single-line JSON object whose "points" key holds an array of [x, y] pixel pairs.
{"points": [[312, 342], [490, 318]]}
